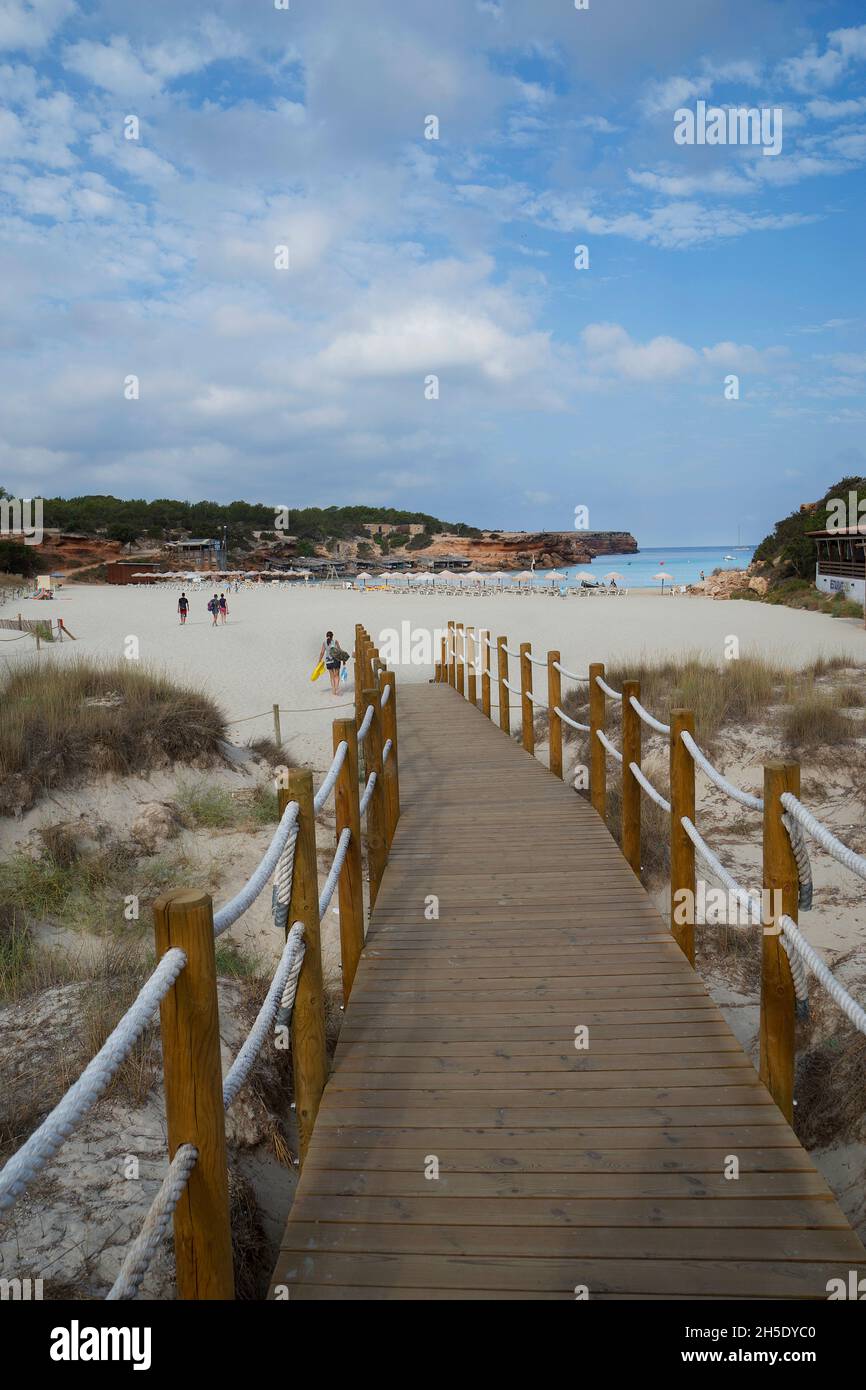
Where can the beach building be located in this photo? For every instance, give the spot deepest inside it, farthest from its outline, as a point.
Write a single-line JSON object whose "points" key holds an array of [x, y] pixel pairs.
{"points": [[197, 553], [841, 561]]}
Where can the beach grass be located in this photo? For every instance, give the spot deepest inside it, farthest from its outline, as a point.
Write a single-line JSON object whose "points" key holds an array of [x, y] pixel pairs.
{"points": [[62, 724]]}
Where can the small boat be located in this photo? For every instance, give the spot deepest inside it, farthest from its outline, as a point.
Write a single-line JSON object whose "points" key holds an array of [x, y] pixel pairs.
{"points": [[728, 557]]}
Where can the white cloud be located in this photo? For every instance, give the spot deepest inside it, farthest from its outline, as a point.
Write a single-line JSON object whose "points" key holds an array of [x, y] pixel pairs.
{"points": [[29, 26], [813, 69]]}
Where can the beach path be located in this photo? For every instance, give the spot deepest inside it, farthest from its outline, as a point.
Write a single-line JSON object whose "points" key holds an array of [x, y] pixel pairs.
{"points": [[468, 1145]]}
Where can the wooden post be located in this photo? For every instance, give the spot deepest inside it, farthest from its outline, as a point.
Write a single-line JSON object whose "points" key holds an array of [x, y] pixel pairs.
{"points": [[485, 672], [309, 1057], [443, 675], [377, 844], [631, 730], [359, 673], [351, 884], [504, 696], [777, 986], [554, 723], [597, 754], [460, 639], [471, 679], [682, 849], [278, 737], [527, 709], [189, 1022], [452, 649], [391, 767], [437, 673]]}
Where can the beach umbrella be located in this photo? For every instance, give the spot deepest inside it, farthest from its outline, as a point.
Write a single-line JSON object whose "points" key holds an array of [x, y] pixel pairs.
{"points": [[386, 577], [663, 575], [613, 574], [585, 577], [364, 575], [525, 574]]}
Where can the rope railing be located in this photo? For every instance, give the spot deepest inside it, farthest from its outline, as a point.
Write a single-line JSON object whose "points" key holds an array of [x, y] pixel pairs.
{"points": [[755, 803], [573, 723], [569, 675], [786, 873], [648, 718], [648, 787], [608, 690], [608, 746], [281, 844], [190, 1012], [37, 1151], [824, 836], [330, 780]]}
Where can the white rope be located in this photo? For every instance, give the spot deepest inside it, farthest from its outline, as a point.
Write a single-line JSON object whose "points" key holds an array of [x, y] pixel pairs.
{"points": [[755, 803], [289, 966], [536, 661], [491, 644], [364, 726], [281, 845], [386, 751], [581, 728], [56, 1128], [331, 881], [822, 972], [386, 695], [513, 688], [536, 699], [602, 685], [332, 774], [748, 900], [801, 854], [368, 792], [648, 718], [603, 738], [139, 1256], [570, 675], [825, 838], [510, 651], [649, 788]]}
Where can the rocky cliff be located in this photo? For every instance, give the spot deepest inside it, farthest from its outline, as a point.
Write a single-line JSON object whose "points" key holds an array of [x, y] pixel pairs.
{"points": [[515, 550]]}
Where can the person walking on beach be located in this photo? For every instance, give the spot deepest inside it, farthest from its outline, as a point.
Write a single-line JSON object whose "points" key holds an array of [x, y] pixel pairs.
{"points": [[214, 609], [223, 607], [331, 654], [183, 608]]}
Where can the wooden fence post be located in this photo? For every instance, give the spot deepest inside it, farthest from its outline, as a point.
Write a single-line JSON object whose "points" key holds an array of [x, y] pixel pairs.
{"points": [[554, 723], [278, 737], [359, 673], [443, 674], [504, 695], [527, 709], [392, 766], [309, 1056], [597, 754], [452, 651], [189, 1023], [351, 883], [377, 843], [485, 672], [683, 884], [777, 986], [460, 641], [631, 741], [471, 678]]}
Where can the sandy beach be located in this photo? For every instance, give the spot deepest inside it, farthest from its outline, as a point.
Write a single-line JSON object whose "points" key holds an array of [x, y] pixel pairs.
{"points": [[269, 646]]}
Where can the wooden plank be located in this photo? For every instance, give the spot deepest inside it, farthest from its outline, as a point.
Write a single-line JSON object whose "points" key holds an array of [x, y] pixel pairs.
{"points": [[607, 1166]]}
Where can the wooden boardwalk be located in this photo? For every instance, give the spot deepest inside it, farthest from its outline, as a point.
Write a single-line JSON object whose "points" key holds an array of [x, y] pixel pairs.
{"points": [[558, 1169]]}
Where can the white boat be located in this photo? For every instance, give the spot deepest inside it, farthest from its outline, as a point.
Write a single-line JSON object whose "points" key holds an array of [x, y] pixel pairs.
{"points": [[728, 557]]}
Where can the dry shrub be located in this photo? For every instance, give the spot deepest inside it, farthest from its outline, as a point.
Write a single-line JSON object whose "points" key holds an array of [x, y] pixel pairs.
{"points": [[63, 723], [830, 1086], [251, 1250], [817, 720]]}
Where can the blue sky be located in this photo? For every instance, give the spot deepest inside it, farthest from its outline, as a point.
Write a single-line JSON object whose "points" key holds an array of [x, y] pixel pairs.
{"points": [[304, 127]]}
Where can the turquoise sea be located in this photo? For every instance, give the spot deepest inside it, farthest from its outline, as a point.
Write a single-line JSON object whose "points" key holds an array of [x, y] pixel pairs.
{"points": [[683, 562]]}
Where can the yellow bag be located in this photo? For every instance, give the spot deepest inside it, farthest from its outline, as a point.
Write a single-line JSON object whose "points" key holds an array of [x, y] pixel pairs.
{"points": [[318, 671]]}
